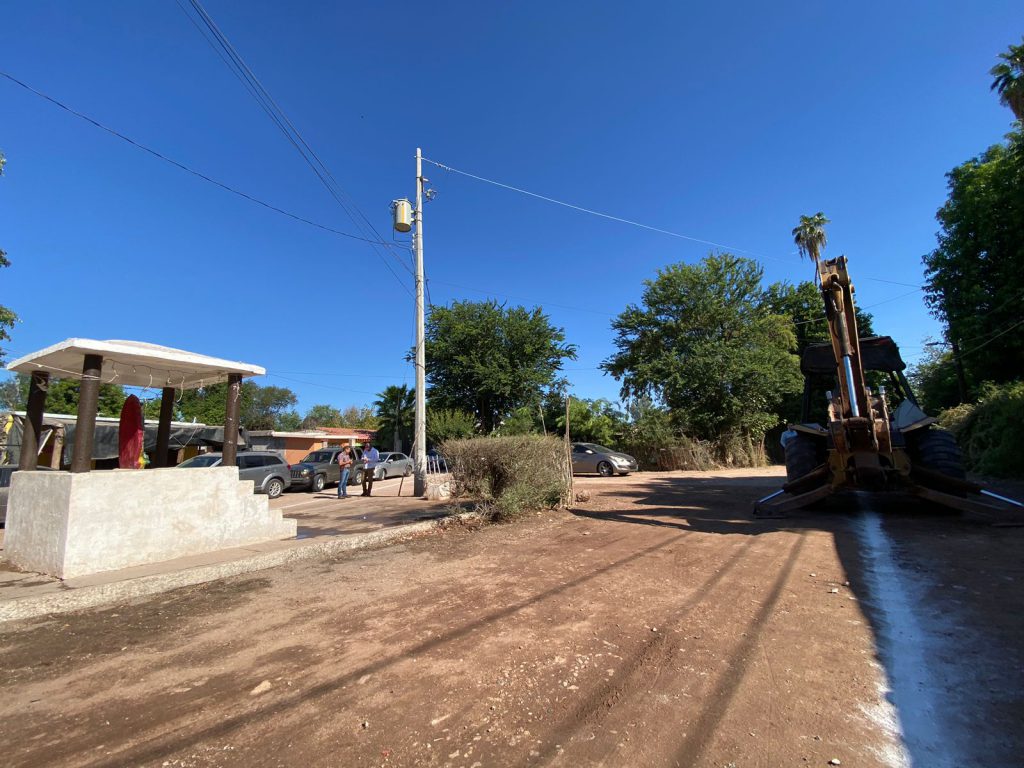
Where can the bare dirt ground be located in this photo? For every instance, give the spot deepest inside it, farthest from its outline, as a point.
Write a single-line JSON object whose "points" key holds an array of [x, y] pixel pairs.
{"points": [[655, 624]]}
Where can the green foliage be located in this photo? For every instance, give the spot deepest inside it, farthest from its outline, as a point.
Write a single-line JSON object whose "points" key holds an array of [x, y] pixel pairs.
{"points": [[62, 396], [973, 275], [445, 424], [396, 416], [809, 236], [1008, 79], [288, 421], [11, 396], [708, 344], [524, 420], [359, 417], [489, 359], [259, 407], [592, 421], [990, 431], [7, 317], [509, 475], [934, 380], [321, 415]]}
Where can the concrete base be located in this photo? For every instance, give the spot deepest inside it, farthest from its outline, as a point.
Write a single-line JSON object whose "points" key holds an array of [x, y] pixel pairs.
{"points": [[68, 525]]}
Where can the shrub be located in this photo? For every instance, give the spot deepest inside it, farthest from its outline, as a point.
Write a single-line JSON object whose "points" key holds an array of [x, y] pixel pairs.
{"points": [[991, 432], [449, 424], [509, 475]]}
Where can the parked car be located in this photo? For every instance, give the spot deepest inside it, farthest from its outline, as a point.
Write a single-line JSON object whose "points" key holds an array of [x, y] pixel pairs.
{"points": [[320, 468], [591, 457], [393, 464], [267, 470]]}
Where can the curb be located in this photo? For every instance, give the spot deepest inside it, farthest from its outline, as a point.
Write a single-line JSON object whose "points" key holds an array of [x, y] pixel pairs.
{"points": [[105, 594]]}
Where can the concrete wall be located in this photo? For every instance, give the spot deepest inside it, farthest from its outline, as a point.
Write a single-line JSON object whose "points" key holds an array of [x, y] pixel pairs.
{"points": [[70, 525]]}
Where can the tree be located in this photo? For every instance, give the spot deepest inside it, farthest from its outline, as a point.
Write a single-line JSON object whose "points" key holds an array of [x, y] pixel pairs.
{"points": [[707, 344], [934, 380], [61, 396], [288, 421], [322, 415], [258, 408], [592, 421], [809, 236], [7, 317], [448, 424], [1008, 79], [396, 414], [488, 359], [973, 275], [359, 417]]}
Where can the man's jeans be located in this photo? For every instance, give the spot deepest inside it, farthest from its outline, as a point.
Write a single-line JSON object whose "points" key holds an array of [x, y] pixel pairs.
{"points": [[343, 484], [368, 480]]}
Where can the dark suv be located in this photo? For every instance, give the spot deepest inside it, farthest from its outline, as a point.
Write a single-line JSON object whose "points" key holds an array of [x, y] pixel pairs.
{"points": [[320, 468]]}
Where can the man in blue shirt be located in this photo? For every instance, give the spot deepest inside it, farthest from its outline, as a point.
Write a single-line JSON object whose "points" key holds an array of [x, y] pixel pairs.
{"points": [[370, 457]]}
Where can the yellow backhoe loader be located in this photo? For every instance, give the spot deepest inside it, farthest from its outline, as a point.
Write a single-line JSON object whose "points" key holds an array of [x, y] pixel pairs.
{"points": [[866, 444]]}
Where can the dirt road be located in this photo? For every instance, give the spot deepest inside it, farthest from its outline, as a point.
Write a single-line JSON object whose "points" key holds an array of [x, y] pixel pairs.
{"points": [[656, 624]]}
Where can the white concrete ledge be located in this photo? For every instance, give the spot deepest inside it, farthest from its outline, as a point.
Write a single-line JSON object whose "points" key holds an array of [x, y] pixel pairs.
{"points": [[75, 524], [80, 598]]}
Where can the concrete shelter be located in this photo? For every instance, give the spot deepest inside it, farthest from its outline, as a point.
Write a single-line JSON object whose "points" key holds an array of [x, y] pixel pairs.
{"points": [[84, 522]]}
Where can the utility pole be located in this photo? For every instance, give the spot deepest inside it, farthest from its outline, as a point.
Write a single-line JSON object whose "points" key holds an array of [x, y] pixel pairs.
{"points": [[420, 447]]}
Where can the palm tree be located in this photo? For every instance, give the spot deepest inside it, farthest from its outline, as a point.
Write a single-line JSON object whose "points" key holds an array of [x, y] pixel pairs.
{"points": [[396, 409], [809, 236], [1009, 79]]}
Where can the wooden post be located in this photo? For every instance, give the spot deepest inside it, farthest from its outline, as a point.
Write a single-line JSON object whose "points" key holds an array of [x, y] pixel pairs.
{"points": [[230, 452], [57, 457], [163, 430], [568, 450], [85, 425], [33, 423]]}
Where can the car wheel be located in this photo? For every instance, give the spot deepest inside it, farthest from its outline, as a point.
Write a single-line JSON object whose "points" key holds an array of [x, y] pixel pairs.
{"points": [[275, 487], [318, 483], [604, 469], [357, 477], [408, 471]]}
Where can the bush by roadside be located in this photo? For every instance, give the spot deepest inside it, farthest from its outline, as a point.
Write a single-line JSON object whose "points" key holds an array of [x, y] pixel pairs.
{"points": [[509, 475], [991, 431]]}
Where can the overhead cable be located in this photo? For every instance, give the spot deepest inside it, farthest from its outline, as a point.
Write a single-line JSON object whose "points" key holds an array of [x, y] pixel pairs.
{"points": [[182, 166], [622, 220], [233, 59]]}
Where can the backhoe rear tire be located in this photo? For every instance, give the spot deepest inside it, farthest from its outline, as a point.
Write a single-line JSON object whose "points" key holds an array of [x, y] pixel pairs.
{"points": [[803, 456], [936, 449]]}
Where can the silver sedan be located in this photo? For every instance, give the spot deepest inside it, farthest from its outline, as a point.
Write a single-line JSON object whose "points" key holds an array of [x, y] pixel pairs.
{"points": [[393, 465], [591, 457]]}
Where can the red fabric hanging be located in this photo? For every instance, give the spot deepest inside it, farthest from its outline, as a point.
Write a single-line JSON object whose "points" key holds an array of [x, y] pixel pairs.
{"points": [[130, 434]]}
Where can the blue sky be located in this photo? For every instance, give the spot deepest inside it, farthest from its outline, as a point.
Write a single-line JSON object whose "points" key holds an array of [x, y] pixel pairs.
{"points": [[723, 122]]}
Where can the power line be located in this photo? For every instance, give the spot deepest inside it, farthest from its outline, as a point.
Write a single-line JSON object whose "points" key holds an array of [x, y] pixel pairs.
{"points": [[631, 222], [233, 59], [182, 166], [592, 212]]}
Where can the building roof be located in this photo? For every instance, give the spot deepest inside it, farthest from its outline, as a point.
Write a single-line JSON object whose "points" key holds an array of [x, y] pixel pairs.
{"points": [[325, 433], [134, 363], [359, 434]]}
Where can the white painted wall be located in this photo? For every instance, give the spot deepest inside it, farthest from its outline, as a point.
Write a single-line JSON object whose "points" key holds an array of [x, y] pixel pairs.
{"points": [[69, 525]]}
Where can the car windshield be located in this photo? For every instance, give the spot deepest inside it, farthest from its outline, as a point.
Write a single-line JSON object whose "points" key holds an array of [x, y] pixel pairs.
{"points": [[598, 448], [201, 461], [318, 456]]}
